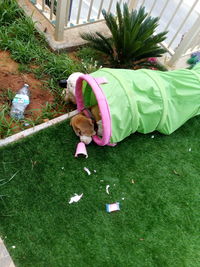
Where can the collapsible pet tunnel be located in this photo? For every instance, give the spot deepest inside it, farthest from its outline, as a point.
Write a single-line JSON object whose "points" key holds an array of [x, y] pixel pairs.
{"points": [[142, 100]]}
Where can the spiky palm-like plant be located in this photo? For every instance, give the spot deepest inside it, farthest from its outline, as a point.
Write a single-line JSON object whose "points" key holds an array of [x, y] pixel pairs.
{"points": [[132, 38]]}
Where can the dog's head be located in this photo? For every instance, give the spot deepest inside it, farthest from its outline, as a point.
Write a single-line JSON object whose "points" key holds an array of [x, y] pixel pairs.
{"points": [[82, 125], [71, 81]]}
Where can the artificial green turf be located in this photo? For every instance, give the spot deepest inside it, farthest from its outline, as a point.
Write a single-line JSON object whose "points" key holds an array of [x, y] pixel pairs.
{"points": [[159, 179]]}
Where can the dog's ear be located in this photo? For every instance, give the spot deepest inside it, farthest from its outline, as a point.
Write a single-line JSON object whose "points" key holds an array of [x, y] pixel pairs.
{"points": [[77, 131]]}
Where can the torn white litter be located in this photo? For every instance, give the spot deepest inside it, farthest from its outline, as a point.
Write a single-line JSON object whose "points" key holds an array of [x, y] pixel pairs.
{"points": [[112, 207], [87, 170], [107, 187], [152, 136], [76, 198], [13, 247], [190, 149]]}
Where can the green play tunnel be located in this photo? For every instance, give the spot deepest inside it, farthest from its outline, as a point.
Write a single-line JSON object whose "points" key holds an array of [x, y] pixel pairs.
{"points": [[146, 100]]}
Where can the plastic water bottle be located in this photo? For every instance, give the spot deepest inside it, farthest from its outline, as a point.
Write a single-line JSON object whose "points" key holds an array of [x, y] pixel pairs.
{"points": [[20, 102]]}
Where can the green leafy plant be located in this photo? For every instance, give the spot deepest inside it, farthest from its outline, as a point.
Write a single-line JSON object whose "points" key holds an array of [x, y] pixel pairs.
{"points": [[24, 68], [59, 66], [48, 111], [6, 96], [20, 39], [29, 48], [87, 53], [6, 127], [9, 11], [90, 59], [132, 38]]}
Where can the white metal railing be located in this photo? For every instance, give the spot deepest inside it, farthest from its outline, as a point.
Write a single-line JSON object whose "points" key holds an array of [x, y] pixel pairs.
{"points": [[190, 43], [64, 14], [179, 17]]}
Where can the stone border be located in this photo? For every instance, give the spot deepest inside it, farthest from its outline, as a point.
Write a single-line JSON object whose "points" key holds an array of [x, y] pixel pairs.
{"points": [[5, 259], [37, 128]]}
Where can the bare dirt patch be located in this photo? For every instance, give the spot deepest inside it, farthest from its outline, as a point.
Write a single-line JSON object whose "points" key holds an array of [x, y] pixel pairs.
{"points": [[11, 79]]}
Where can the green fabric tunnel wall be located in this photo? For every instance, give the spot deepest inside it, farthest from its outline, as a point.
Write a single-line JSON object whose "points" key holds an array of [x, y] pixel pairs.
{"points": [[146, 100]]}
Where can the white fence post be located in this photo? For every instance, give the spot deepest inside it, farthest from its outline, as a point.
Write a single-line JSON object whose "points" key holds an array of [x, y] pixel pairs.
{"points": [[61, 10], [188, 40]]}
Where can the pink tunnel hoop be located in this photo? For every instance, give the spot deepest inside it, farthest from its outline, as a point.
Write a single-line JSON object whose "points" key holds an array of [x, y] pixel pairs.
{"points": [[102, 103]]}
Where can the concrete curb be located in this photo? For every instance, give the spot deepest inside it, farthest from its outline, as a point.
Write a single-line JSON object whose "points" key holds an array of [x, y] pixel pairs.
{"points": [[5, 259], [36, 129]]}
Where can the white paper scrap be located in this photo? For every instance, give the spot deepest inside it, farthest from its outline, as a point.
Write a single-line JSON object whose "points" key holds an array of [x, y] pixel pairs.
{"points": [[107, 187], [152, 136], [86, 169], [190, 149], [76, 198]]}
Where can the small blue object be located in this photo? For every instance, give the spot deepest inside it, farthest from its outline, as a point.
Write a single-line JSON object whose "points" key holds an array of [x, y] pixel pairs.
{"points": [[194, 59], [112, 207], [196, 54]]}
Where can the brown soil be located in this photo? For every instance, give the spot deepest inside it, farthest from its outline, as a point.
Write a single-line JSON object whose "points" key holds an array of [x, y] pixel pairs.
{"points": [[11, 78]]}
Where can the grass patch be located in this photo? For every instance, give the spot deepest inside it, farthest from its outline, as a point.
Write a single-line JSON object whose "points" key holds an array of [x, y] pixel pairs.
{"points": [[9, 11], [29, 48], [159, 179]]}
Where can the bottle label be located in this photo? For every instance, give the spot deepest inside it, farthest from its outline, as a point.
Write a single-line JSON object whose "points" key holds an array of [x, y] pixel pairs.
{"points": [[21, 99]]}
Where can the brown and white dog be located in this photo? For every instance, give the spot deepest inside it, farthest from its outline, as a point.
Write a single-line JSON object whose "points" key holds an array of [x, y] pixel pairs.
{"points": [[69, 92], [84, 127]]}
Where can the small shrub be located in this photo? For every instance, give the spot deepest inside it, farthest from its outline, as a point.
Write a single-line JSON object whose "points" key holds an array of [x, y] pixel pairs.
{"points": [[132, 38]]}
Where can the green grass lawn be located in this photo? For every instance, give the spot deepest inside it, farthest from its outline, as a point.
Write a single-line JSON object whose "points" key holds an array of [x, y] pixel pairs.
{"points": [[158, 178]]}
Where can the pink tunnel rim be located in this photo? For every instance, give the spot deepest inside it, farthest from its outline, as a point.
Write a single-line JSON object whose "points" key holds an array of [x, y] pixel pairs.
{"points": [[102, 103]]}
